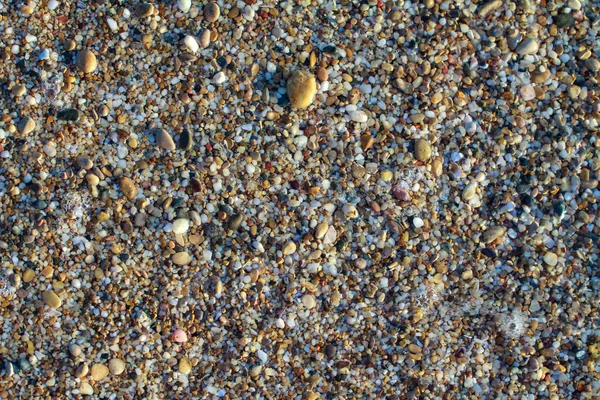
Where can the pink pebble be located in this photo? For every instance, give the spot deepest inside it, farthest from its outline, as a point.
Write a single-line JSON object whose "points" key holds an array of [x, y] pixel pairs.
{"points": [[401, 193], [180, 336]]}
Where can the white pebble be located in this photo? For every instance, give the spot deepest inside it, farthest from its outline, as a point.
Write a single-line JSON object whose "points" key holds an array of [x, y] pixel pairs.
{"points": [[184, 5], [418, 222], [180, 226], [358, 116], [112, 24], [191, 43], [52, 5], [219, 78]]}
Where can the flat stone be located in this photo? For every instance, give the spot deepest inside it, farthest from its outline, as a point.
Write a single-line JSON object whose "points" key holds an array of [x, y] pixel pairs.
{"points": [[75, 350], [99, 372], [236, 222], [528, 46], [212, 12], [186, 140], [301, 89], [69, 114], [163, 139], [493, 233], [413, 348], [551, 258], [205, 38], [86, 389], [422, 150], [116, 366], [143, 10], [180, 336], [527, 92], [540, 76], [488, 8], [92, 179], [51, 299], [180, 226], [26, 125], [289, 248], [128, 188], [86, 61], [592, 64], [82, 370], [330, 236], [84, 162], [564, 20], [181, 258], [469, 191], [321, 229], [308, 300], [185, 366]]}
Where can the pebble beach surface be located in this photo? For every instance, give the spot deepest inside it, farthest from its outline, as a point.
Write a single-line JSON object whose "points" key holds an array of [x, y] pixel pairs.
{"points": [[299, 199]]}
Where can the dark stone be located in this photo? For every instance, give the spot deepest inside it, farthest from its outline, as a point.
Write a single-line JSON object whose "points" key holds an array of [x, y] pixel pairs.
{"points": [[39, 204], [127, 226], [222, 61], [195, 185], [527, 200], [295, 185], [177, 202], [69, 114], [186, 140], [564, 20], [330, 350], [236, 222], [489, 252]]}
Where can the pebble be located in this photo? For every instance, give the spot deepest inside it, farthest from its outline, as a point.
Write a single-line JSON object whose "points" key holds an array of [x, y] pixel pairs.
{"points": [[163, 139], [528, 92], [128, 188], [205, 38], [144, 10], [469, 192], [212, 12], [99, 372], [331, 236], [422, 150], [86, 389], [289, 248], [528, 46], [116, 366], [308, 300], [18, 90], [181, 258], [493, 233], [322, 74], [236, 222], [69, 114], [26, 125], [184, 5], [180, 336], [185, 366], [321, 229], [488, 7], [82, 370], [301, 89], [92, 179], [75, 350], [220, 78], [180, 226], [51, 299], [191, 43], [86, 61], [551, 258]]}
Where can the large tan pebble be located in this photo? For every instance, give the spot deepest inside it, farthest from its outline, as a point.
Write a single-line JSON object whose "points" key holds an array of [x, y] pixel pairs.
{"points": [[51, 299], [185, 366], [128, 188], [99, 372], [301, 89], [86, 389], [116, 366], [86, 61]]}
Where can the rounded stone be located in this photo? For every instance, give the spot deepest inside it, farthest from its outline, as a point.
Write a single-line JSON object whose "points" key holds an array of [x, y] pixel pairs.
{"points": [[422, 150], [128, 188], [26, 125], [180, 226], [75, 350], [116, 366], [212, 12], [528, 46], [493, 233], [51, 299], [143, 10], [551, 258], [180, 336], [469, 192], [86, 61], [86, 389], [92, 179], [181, 258], [82, 370], [301, 89], [99, 372], [289, 248], [308, 300], [163, 139], [185, 366]]}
